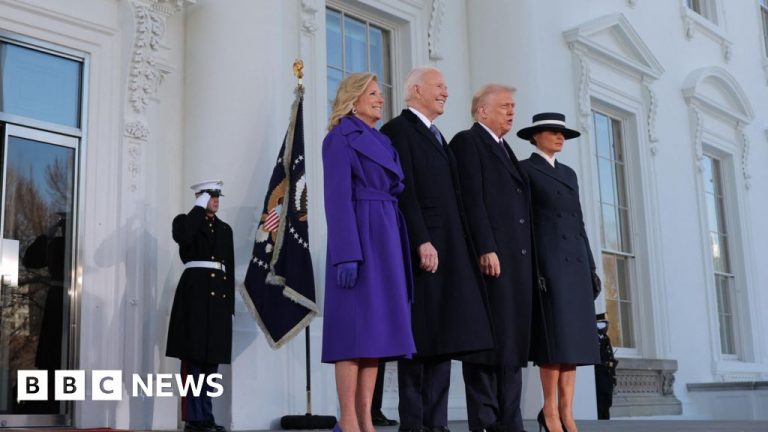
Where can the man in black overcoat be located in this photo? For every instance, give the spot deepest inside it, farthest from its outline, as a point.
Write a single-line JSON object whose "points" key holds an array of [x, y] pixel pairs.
{"points": [[497, 201], [449, 312], [200, 329]]}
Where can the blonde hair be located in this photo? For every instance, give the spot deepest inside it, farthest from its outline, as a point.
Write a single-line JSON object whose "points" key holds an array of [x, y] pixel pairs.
{"points": [[350, 88], [483, 92]]}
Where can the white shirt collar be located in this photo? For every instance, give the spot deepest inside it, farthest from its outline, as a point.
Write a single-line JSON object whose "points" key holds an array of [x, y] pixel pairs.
{"points": [[495, 138], [548, 158], [421, 117]]}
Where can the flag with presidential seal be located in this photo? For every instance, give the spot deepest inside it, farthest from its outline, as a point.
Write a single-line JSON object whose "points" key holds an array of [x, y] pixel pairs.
{"points": [[279, 288]]}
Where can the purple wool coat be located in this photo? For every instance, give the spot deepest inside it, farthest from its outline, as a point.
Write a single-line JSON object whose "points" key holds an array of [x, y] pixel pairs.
{"points": [[362, 180]]}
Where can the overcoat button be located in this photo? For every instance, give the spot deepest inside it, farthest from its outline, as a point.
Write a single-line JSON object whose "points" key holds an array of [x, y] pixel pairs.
{"points": [[213, 293], [519, 190], [523, 251], [579, 259], [565, 237], [559, 214], [213, 258], [567, 259], [225, 278], [223, 296], [522, 220], [213, 274]]}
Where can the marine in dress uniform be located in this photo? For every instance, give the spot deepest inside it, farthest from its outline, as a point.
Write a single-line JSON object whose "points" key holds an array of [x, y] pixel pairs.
{"points": [[200, 329]]}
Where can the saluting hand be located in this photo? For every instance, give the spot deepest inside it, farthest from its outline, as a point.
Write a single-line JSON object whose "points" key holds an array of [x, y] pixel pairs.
{"points": [[428, 257], [489, 264]]}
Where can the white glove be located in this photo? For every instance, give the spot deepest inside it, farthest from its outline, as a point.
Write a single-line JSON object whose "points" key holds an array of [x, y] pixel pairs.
{"points": [[203, 199]]}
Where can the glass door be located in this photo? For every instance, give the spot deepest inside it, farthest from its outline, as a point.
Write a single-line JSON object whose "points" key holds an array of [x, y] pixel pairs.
{"points": [[36, 267]]}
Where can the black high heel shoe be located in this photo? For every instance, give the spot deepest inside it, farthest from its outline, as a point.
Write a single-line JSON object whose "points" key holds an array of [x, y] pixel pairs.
{"points": [[542, 422]]}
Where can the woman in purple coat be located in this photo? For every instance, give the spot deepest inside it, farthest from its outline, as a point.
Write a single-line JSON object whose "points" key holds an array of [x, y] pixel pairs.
{"points": [[367, 284]]}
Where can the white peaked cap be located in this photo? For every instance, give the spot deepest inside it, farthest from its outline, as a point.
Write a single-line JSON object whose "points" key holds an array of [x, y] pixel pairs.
{"points": [[207, 185]]}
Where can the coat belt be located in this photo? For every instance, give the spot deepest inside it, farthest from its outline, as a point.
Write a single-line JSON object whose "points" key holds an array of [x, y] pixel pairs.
{"points": [[206, 264], [368, 194]]}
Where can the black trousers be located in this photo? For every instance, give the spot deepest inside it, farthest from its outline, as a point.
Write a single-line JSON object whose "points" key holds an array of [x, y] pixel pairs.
{"points": [[423, 387], [378, 390], [197, 408], [493, 397]]}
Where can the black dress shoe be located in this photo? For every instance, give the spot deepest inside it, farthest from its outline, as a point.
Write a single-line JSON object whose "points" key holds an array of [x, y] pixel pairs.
{"points": [[379, 419], [215, 427], [440, 429], [197, 426], [414, 429]]}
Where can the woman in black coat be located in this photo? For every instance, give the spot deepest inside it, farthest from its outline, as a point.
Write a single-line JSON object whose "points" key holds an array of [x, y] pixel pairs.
{"points": [[565, 262]]}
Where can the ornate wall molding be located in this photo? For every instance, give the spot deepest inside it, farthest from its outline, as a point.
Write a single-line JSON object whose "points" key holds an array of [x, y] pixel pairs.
{"points": [[693, 23], [645, 387], [137, 130], [309, 9], [652, 108], [435, 29], [698, 138], [585, 104], [741, 129], [146, 71]]}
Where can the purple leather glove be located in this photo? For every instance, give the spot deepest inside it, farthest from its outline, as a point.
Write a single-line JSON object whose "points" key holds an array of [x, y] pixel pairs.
{"points": [[346, 274]]}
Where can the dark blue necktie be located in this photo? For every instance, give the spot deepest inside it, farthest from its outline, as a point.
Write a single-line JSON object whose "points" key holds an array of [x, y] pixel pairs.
{"points": [[436, 132]]}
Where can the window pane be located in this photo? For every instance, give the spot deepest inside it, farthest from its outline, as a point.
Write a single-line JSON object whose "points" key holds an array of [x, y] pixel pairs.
{"points": [[377, 52], [725, 313], [712, 218], [333, 38], [605, 174], [618, 142], [334, 78], [626, 244], [627, 335], [709, 185], [602, 136], [355, 46], [610, 228], [39, 85], [622, 276], [610, 277], [765, 25], [621, 185]]}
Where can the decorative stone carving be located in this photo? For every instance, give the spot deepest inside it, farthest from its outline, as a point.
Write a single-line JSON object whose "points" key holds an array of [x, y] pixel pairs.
{"points": [[585, 105], [145, 74], [667, 384], [744, 155], [725, 46], [645, 387], [688, 27], [435, 27], [652, 107], [309, 9], [137, 130], [698, 136]]}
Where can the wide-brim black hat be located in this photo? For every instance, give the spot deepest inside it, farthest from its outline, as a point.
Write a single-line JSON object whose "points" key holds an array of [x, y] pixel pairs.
{"points": [[547, 121]]}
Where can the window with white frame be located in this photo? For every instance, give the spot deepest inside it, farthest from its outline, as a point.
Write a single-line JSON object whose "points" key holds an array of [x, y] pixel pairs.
{"points": [[721, 260], [764, 14], [705, 8], [355, 43], [616, 244]]}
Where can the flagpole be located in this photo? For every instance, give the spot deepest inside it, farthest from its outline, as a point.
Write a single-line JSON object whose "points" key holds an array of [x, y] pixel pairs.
{"points": [[308, 420]]}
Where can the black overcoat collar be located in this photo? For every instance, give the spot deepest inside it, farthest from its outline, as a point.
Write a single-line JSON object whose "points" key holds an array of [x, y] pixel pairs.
{"points": [[509, 160], [424, 130], [558, 172]]}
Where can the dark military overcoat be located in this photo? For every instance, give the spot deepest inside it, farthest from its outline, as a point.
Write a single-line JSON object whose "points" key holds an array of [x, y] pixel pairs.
{"points": [[200, 328]]}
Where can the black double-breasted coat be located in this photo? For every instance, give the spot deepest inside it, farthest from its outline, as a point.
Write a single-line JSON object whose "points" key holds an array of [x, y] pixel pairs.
{"points": [[497, 202], [566, 263], [200, 328], [449, 311]]}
